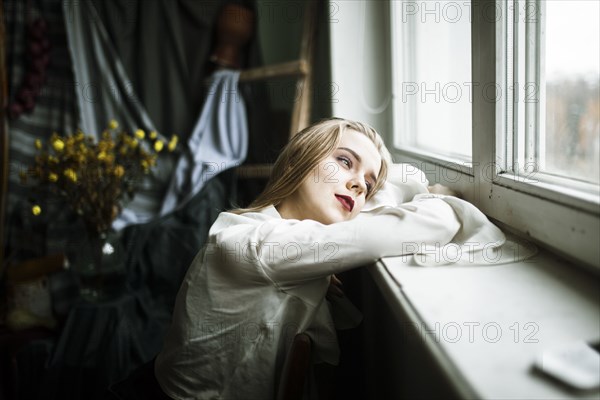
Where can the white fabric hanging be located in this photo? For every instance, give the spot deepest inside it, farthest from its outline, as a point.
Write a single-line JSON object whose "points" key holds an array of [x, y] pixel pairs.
{"points": [[219, 140]]}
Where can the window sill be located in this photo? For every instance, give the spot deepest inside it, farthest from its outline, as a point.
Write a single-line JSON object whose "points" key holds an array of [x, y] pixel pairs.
{"points": [[565, 226], [485, 325]]}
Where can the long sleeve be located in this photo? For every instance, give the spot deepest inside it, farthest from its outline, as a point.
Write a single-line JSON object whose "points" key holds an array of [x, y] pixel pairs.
{"points": [[291, 251]]}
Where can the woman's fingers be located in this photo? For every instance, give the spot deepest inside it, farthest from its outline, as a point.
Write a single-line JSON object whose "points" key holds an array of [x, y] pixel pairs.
{"points": [[335, 287], [335, 280]]}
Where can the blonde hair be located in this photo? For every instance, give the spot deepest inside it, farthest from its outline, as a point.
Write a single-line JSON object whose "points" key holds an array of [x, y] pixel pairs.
{"points": [[305, 151]]}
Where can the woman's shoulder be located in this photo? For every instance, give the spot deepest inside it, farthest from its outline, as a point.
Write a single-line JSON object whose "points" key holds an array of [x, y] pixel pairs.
{"points": [[228, 219]]}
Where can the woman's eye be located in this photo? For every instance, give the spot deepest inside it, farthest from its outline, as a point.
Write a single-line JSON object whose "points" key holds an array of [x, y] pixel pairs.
{"points": [[369, 187], [346, 161]]}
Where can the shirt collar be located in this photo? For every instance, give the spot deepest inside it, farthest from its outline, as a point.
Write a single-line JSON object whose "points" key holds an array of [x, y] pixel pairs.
{"points": [[271, 211]]}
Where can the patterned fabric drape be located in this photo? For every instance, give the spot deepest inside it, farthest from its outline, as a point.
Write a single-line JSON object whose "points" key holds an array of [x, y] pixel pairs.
{"points": [[88, 85], [55, 111]]}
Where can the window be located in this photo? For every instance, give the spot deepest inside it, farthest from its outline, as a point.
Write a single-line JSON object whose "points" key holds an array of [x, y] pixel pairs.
{"points": [[523, 143], [569, 145], [552, 131], [434, 78]]}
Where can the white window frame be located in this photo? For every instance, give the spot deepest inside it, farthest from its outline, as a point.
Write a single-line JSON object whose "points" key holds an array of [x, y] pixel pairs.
{"points": [[565, 220]]}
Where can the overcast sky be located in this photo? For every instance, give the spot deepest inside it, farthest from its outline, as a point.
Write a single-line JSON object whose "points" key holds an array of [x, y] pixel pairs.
{"points": [[573, 38]]}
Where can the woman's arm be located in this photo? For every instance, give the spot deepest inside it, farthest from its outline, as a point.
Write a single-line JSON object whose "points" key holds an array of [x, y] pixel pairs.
{"points": [[289, 251]]}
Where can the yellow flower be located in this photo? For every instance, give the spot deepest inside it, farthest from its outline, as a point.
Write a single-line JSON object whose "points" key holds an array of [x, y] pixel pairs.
{"points": [[103, 145], [69, 173], [36, 210], [173, 143], [79, 163], [58, 144], [119, 171]]}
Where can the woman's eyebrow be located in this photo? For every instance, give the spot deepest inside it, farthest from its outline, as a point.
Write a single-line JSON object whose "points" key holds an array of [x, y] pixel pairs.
{"points": [[352, 152], [372, 176]]}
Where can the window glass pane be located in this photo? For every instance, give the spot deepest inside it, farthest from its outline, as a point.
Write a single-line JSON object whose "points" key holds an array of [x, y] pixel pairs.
{"points": [[572, 70], [434, 40]]}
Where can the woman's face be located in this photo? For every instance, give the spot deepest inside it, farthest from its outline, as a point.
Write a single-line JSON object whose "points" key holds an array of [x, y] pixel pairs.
{"points": [[336, 189]]}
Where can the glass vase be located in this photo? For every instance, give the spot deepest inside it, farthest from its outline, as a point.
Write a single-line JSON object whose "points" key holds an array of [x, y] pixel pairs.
{"points": [[99, 264]]}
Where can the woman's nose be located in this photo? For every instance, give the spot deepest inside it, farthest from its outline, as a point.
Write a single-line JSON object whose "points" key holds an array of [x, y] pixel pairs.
{"points": [[356, 184]]}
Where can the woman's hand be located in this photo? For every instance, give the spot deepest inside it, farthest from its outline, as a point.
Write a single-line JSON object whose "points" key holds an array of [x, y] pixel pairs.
{"points": [[445, 190], [335, 288]]}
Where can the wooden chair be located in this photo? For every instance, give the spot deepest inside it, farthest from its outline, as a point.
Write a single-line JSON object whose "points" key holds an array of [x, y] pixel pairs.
{"points": [[16, 337], [295, 369], [11, 343], [141, 384]]}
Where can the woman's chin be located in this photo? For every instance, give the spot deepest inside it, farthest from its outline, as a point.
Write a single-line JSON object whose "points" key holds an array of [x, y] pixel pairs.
{"points": [[341, 217]]}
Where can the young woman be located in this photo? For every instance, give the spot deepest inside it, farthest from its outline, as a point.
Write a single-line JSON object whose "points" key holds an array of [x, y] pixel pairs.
{"points": [[266, 270]]}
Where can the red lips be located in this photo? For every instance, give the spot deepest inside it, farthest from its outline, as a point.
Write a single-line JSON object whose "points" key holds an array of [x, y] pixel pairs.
{"points": [[347, 201]]}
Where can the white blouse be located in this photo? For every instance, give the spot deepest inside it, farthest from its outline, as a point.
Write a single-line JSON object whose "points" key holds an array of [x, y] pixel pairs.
{"points": [[261, 279]]}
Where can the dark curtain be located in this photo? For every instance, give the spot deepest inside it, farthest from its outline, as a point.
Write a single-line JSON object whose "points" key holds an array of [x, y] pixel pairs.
{"points": [[164, 46]]}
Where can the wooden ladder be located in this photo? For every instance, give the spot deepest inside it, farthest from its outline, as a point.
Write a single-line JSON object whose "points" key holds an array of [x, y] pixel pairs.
{"points": [[301, 69]]}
